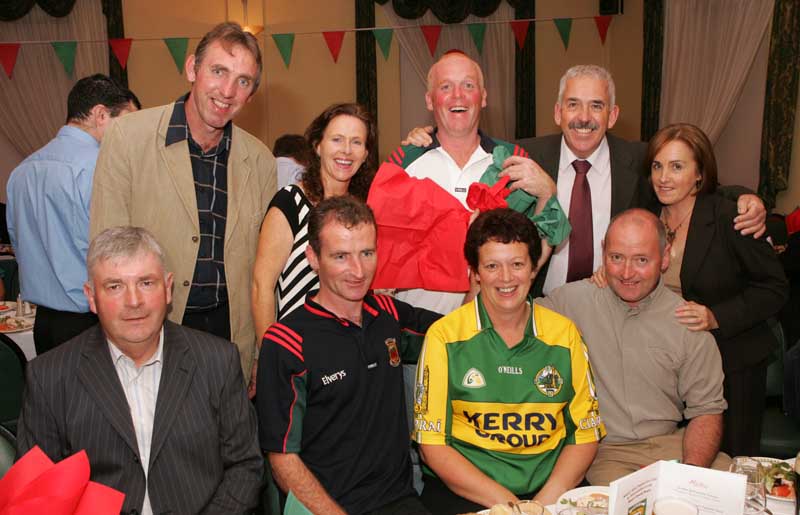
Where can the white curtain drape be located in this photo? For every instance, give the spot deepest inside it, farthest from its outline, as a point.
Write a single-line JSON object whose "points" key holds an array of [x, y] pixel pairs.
{"points": [[497, 63], [34, 100], [709, 47]]}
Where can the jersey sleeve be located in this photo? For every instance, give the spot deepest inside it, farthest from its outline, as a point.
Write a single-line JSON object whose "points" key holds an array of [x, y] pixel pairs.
{"points": [[583, 409], [431, 392], [282, 390]]}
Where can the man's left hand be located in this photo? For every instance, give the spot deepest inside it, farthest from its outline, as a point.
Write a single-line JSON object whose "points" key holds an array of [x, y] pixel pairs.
{"points": [[528, 176], [752, 216], [696, 316]]}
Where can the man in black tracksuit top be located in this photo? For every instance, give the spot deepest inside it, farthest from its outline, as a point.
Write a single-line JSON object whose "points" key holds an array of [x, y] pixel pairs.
{"points": [[331, 404]]}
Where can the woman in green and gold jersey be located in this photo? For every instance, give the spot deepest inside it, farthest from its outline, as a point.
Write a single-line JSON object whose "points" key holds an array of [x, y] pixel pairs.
{"points": [[505, 405]]}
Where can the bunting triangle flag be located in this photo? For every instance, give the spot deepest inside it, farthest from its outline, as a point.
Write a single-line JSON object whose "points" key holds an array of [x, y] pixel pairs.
{"points": [[564, 26], [478, 33], [431, 33], [602, 23], [65, 51], [8, 57], [121, 48], [384, 39], [284, 42], [334, 40], [177, 49], [520, 29]]}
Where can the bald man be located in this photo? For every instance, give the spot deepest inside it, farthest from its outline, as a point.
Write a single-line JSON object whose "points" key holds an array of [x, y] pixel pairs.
{"points": [[652, 372], [459, 153]]}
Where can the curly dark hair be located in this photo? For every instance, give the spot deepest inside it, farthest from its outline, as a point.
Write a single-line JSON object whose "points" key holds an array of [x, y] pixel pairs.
{"points": [[502, 225], [361, 181]]}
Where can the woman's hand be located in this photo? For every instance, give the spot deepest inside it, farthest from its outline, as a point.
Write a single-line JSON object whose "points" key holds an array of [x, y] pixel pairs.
{"points": [[598, 278], [696, 317]]}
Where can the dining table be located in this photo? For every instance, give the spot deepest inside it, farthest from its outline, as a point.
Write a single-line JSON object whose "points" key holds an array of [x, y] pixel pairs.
{"points": [[24, 338]]}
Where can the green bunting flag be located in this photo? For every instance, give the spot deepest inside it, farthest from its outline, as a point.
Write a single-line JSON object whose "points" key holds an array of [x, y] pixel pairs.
{"points": [[284, 42], [177, 48], [384, 39], [564, 26], [478, 32], [65, 50]]}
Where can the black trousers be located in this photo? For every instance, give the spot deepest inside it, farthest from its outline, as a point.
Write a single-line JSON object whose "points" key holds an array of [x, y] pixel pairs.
{"points": [[53, 327], [745, 390], [216, 321]]}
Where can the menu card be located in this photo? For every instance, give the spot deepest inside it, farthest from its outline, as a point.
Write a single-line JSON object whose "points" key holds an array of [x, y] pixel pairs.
{"points": [[714, 492]]}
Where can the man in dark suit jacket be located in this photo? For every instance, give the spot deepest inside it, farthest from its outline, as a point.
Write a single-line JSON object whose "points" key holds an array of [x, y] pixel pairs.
{"points": [[160, 409], [585, 110]]}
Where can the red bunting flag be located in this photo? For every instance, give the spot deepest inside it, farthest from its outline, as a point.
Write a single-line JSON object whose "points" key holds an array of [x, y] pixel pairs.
{"points": [[602, 23], [334, 41], [121, 48], [431, 33], [8, 56], [520, 29]]}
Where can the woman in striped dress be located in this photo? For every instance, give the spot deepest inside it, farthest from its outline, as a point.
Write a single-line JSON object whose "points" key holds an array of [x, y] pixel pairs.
{"points": [[344, 159]]}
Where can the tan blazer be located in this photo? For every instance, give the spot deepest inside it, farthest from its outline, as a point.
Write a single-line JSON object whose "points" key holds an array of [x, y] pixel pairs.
{"points": [[140, 181]]}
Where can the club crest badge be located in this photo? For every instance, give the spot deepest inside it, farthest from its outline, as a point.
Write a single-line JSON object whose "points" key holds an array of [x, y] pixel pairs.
{"points": [[473, 379], [394, 354], [549, 381]]}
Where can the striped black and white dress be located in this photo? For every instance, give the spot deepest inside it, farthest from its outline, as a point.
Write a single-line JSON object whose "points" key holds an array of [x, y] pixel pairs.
{"points": [[297, 278]]}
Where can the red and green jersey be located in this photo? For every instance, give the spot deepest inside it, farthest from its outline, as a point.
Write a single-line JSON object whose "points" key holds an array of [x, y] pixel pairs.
{"points": [[510, 411]]}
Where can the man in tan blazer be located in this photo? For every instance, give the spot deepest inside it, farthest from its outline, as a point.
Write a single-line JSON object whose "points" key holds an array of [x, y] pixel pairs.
{"points": [[200, 184]]}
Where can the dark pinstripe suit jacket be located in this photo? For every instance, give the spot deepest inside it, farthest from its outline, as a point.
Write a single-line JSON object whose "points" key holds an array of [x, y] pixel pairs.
{"points": [[204, 454]]}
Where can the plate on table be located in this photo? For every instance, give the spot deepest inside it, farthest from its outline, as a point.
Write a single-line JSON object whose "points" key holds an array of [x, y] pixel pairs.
{"points": [[9, 324], [586, 497], [4, 307], [769, 462]]}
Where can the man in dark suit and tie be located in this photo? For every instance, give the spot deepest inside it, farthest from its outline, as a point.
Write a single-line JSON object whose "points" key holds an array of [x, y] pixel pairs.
{"points": [[598, 175], [160, 409]]}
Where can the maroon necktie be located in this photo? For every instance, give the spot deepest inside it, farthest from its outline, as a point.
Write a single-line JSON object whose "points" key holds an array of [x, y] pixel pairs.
{"points": [[581, 240]]}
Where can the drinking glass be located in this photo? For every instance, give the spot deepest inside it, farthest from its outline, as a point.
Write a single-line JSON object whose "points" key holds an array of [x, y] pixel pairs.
{"points": [[755, 499]]}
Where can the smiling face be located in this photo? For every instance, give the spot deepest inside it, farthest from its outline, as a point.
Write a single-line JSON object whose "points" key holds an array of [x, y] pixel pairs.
{"points": [[585, 114], [342, 150], [632, 258], [674, 173], [222, 84], [505, 272], [456, 95], [345, 264], [130, 296]]}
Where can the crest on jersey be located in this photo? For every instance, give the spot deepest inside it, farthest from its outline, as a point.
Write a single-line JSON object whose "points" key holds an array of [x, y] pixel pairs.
{"points": [[473, 379], [394, 354], [549, 381]]}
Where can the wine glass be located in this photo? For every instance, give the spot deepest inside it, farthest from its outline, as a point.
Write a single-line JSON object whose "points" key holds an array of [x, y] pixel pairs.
{"points": [[755, 499]]}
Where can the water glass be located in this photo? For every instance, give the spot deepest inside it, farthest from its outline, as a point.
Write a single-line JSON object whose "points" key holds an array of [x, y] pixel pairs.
{"points": [[755, 500]]}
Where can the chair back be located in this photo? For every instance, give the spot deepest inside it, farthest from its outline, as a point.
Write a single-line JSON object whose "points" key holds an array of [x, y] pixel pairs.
{"points": [[8, 444], [12, 381]]}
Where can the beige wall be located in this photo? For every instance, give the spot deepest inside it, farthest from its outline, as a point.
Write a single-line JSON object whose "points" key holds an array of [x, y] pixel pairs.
{"points": [[621, 54]]}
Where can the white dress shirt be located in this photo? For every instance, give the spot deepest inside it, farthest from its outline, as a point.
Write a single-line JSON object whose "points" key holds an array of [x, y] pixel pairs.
{"points": [[141, 389], [599, 177]]}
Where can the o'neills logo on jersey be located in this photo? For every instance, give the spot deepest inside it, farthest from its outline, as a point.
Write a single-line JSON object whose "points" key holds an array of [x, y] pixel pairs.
{"points": [[473, 379], [394, 354], [549, 381]]}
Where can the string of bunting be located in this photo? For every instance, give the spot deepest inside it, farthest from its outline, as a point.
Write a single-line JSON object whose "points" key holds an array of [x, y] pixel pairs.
{"points": [[177, 47]]}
